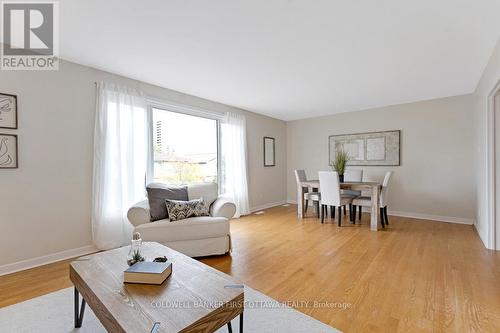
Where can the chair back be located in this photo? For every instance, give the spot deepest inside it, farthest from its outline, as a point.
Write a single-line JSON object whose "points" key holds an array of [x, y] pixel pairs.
{"points": [[353, 175], [207, 191], [385, 189], [330, 188], [300, 176]]}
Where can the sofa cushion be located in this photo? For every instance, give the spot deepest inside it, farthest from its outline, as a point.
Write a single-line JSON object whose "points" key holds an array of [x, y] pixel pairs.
{"points": [[191, 228], [158, 193], [180, 210], [207, 191]]}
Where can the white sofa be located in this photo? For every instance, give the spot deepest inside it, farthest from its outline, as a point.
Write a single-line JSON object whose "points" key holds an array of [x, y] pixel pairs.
{"points": [[195, 236]]}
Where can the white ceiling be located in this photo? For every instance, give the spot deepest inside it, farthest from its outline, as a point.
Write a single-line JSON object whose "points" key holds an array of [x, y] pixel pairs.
{"points": [[288, 59]]}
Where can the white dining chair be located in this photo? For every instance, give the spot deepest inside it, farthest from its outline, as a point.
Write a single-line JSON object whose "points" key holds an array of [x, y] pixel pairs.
{"points": [[331, 196], [314, 196], [364, 201], [353, 175]]}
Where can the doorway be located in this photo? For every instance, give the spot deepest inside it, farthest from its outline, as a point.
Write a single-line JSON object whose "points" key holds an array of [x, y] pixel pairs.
{"points": [[495, 230], [493, 176]]}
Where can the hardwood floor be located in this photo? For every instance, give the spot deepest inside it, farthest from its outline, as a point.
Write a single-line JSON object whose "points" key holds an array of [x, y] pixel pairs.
{"points": [[34, 282], [415, 276]]}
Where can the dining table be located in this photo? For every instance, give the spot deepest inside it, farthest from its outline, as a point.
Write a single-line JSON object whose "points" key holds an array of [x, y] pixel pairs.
{"points": [[373, 187]]}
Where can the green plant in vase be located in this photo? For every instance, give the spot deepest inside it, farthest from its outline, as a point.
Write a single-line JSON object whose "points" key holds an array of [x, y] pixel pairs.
{"points": [[339, 163], [136, 257], [134, 254]]}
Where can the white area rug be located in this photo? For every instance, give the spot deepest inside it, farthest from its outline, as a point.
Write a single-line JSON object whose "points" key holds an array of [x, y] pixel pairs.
{"points": [[53, 313]]}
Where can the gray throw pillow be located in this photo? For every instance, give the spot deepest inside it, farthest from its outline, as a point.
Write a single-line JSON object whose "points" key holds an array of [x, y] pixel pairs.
{"points": [[179, 210], [158, 193]]}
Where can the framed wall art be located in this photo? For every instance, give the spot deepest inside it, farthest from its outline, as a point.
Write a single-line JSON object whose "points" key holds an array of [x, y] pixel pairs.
{"points": [[8, 151], [269, 153], [364, 149], [8, 111]]}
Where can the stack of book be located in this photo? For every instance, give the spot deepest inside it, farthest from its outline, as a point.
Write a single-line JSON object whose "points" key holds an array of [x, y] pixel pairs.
{"points": [[148, 272]]}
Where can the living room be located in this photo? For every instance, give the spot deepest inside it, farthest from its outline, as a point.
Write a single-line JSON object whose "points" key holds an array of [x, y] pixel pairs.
{"points": [[214, 133]]}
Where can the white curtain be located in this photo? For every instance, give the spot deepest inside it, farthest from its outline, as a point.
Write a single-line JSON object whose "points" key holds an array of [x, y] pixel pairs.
{"points": [[234, 161], [122, 147]]}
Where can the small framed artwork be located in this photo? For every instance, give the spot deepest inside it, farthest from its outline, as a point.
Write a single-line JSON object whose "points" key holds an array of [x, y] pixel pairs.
{"points": [[269, 153], [8, 151], [8, 111]]}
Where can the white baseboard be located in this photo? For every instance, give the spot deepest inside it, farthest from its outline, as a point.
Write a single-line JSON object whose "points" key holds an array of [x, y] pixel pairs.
{"points": [[47, 259], [439, 218], [483, 235], [266, 206]]}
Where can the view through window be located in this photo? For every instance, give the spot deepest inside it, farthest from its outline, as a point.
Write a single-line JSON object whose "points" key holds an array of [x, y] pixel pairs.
{"points": [[185, 148]]}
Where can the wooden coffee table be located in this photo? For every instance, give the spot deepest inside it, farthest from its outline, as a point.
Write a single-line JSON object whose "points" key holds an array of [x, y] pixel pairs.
{"points": [[195, 298]]}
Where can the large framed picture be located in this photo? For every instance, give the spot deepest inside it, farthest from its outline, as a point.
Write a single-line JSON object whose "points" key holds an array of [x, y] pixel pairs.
{"points": [[8, 111], [364, 149], [8, 151]]}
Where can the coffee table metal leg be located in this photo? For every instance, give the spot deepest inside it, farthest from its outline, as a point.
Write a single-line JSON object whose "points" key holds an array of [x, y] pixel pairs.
{"points": [[230, 328], [79, 310]]}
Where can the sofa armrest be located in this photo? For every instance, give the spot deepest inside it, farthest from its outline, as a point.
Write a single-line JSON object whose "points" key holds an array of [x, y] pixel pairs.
{"points": [[139, 213], [223, 207]]}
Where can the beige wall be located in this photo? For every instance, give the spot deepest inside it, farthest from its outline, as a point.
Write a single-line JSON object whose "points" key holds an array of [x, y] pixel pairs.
{"points": [[490, 77], [45, 204], [436, 176]]}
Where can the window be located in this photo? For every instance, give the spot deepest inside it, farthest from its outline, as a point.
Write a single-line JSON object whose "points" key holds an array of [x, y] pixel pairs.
{"points": [[184, 148]]}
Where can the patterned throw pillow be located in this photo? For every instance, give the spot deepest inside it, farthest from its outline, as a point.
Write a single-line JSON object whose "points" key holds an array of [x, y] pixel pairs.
{"points": [[179, 210]]}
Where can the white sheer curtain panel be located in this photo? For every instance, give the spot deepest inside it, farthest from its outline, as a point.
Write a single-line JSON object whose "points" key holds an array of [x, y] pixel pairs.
{"points": [[122, 147], [234, 161]]}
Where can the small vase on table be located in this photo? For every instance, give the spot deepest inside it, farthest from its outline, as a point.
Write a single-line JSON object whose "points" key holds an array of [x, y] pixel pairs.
{"points": [[135, 253]]}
